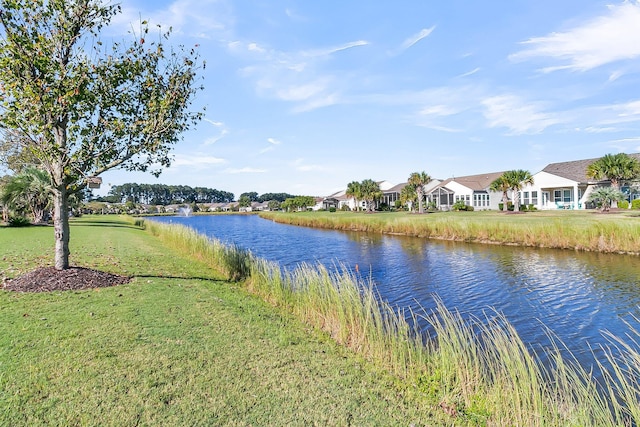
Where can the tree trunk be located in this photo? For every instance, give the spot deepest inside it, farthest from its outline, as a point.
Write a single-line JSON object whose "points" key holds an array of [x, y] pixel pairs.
{"points": [[61, 227], [615, 184], [420, 208], [516, 201]]}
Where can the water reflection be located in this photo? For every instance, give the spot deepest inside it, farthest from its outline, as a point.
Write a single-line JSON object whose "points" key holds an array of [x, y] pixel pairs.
{"points": [[575, 295]]}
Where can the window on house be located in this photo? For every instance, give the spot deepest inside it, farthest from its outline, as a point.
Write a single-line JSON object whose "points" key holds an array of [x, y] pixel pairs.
{"points": [[534, 197], [557, 196], [566, 195]]}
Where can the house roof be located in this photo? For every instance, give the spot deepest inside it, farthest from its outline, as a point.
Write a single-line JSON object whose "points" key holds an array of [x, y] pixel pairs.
{"points": [[575, 170], [479, 182], [396, 188]]}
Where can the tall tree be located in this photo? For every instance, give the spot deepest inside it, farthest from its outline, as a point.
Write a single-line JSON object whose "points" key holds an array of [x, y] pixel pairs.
{"points": [[370, 192], [408, 196], [501, 185], [616, 168], [517, 179], [418, 180], [87, 110], [354, 189]]}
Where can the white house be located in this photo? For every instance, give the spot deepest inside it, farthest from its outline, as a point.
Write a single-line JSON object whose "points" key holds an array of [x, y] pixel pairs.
{"points": [[472, 189], [340, 199], [563, 185]]}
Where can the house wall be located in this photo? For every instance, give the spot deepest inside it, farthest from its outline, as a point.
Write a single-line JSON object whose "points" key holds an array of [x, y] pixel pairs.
{"points": [[467, 194], [544, 182]]}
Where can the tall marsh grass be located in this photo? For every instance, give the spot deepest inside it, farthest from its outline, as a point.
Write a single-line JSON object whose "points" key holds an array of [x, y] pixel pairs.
{"points": [[230, 260], [579, 230], [476, 370]]}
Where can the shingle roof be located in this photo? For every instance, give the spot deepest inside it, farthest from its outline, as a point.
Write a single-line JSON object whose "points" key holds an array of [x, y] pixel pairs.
{"points": [[575, 170], [475, 182], [396, 188]]}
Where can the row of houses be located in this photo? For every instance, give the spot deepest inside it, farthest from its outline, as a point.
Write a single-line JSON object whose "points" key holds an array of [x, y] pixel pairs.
{"points": [[562, 185]]}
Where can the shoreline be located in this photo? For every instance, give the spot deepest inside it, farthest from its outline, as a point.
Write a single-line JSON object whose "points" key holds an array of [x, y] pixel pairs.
{"points": [[612, 233]]}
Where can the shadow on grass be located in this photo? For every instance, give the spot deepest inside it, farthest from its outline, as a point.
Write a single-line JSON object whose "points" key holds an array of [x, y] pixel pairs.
{"points": [[205, 279], [98, 223]]}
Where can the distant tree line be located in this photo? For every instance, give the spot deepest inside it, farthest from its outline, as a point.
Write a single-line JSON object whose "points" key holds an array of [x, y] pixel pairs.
{"points": [[266, 197], [161, 194]]}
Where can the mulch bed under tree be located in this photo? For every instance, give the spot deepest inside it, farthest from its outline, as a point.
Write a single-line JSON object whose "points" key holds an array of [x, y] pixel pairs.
{"points": [[49, 279]]}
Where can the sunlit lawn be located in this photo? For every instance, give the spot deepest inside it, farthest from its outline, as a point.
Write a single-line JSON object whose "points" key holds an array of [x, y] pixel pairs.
{"points": [[177, 346]]}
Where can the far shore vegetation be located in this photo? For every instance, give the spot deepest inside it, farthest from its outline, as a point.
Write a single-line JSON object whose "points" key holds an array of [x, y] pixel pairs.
{"points": [[186, 343], [616, 231]]}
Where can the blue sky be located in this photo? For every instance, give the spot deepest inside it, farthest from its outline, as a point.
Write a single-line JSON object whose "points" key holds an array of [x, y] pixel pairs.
{"points": [[304, 97]]}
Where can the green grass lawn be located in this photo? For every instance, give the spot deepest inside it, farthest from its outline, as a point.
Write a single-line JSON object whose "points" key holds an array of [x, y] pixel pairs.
{"points": [[176, 346]]}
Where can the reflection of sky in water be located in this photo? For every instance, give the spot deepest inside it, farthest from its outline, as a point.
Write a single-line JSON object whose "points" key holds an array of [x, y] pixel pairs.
{"points": [[576, 295]]}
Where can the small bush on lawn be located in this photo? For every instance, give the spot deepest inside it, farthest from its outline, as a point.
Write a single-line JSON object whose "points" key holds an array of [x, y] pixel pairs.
{"points": [[18, 221]]}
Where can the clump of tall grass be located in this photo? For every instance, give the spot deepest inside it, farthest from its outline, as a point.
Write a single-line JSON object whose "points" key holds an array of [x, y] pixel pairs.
{"points": [[233, 261], [567, 230], [477, 370]]}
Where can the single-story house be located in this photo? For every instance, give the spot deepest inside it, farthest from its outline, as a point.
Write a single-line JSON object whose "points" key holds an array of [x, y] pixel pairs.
{"points": [[563, 185], [473, 190], [340, 199]]}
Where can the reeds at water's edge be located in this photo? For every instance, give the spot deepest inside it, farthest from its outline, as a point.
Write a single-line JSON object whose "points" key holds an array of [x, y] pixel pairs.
{"points": [[578, 230], [475, 368]]}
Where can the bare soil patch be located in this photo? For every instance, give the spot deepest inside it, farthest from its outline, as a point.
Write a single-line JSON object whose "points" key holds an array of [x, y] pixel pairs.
{"points": [[49, 279]]}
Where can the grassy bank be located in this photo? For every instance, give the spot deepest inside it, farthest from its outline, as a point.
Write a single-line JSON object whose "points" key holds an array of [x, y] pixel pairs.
{"points": [[179, 345], [476, 372], [578, 230]]}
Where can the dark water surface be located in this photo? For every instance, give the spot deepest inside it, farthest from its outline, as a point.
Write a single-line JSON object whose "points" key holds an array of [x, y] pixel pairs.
{"points": [[576, 295]]}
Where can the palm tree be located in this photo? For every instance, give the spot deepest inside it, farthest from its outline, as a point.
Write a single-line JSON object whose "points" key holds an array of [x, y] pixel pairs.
{"points": [[418, 180], [517, 179], [354, 189], [615, 167], [606, 197], [501, 185], [29, 190], [408, 196], [370, 192]]}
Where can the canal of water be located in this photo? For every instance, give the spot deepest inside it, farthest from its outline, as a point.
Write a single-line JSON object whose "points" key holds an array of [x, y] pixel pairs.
{"points": [[574, 295]]}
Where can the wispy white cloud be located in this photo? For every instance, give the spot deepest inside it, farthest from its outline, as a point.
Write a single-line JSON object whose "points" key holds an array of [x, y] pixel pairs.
{"points": [[415, 38], [214, 123], [221, 134], [293, 15], [300, 165], [315, 53], [244, 170], [625, 144], [298, 77], [304, 92], [604, 39], [597, 129], [197, 161], [620, 113], [469, 73], [517, 115], [197, 18], [274, 142]]}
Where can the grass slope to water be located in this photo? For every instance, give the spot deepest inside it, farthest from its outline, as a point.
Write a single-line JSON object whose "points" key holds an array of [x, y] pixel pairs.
{"points": [[177, 346], [477, 371], [580, 230]]}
